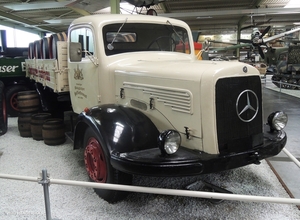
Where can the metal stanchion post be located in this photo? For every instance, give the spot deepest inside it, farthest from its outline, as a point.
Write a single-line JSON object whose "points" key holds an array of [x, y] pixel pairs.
{"points": [[265, 79], [280, 85], [45, 182]]}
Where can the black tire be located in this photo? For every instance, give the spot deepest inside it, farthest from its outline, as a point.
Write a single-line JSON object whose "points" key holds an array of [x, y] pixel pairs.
{"points": [[11, 95], [96, 159], [3, 114]]}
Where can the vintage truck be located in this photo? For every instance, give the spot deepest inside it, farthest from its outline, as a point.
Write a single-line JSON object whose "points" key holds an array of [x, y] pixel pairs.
{"points": [[287, 75], [147, 106]]}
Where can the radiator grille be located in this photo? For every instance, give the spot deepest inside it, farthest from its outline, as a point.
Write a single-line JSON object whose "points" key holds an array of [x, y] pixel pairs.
{"points": [[239, 113]]}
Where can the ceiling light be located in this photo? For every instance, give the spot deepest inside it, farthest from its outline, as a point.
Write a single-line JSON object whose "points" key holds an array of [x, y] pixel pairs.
{"points": [[203, 17], [256, 15], [59, 21]]}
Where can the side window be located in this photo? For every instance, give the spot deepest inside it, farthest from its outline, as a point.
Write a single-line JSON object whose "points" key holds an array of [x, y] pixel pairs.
{"points": [[84, 36]]}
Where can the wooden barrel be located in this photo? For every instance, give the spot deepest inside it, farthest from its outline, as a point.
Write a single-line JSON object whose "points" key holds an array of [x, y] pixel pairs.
{"points": [[53, 43], [24, 124], [36, 125], [28, 101], [53, 131], [30, 51], [45, 53], [37, 49]]}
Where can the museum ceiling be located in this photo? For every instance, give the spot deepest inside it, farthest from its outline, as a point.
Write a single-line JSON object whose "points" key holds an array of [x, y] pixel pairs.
{"points": [[207, 16]]}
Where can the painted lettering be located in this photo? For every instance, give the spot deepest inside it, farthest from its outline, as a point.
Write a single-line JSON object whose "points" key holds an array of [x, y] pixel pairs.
{"points": [[44, 74], [33, 71], [79, 91], [79, 88], [8, 69], [80, 94]]}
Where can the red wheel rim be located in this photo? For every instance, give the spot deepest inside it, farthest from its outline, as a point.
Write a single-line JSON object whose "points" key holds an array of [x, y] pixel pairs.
{"points": [[14, 101], [95, 162]]}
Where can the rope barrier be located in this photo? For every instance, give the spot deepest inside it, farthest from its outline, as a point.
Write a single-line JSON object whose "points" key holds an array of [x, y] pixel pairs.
{"points": [[294, 159], [153, 190]]}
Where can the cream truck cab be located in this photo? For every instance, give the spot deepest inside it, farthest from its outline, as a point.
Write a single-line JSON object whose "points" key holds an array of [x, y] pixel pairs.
{"points": [[147, 106]]}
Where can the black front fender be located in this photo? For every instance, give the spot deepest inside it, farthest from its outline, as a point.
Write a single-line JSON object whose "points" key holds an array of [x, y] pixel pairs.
{"points": [[123, 129]]}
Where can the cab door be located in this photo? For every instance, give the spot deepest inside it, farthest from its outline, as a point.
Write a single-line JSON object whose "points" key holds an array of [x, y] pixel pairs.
{"points": [[83, 72]]}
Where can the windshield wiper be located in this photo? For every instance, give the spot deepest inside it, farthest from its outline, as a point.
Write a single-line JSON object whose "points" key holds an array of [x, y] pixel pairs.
{"points": [[110, 46], [175, 31]]}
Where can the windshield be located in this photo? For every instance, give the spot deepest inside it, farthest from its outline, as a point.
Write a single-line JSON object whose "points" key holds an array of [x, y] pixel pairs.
{"points": [[145, 37]]}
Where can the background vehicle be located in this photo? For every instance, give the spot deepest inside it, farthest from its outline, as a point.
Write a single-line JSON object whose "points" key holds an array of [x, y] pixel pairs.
{"points": [[288, 68], [13, 74], [12, 80]]}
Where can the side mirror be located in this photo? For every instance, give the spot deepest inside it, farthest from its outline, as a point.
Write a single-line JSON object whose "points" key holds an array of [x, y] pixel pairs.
{"points": [[75, 52]]}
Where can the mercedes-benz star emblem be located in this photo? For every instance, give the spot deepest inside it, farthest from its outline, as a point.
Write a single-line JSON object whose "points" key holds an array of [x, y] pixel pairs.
{"points": [[247, 105]]}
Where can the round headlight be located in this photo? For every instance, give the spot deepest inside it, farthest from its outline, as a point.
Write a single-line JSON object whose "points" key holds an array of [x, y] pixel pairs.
{"points": [[169, 142], [277, 120]]}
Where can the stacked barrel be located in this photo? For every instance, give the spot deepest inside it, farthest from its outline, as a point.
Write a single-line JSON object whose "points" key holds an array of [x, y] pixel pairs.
{"points": [[28, 105], [36, 124], [46, 48], [53, 131], [31, 122]]}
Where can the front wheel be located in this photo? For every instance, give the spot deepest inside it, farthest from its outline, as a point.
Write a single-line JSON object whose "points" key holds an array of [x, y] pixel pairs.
{"points": [[96, 159]]}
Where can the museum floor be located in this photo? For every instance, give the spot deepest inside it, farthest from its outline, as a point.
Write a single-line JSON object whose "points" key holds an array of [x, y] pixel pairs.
{"points": [[288, 101]]}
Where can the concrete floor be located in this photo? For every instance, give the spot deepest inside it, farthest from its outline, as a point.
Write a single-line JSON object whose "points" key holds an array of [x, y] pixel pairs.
{"points": [[289, 102]]}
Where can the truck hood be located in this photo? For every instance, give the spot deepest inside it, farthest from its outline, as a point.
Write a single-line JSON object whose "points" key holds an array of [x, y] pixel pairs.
{"points": [[180, 67], [182, 89]]}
